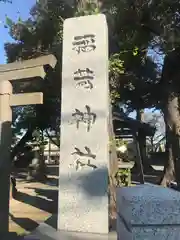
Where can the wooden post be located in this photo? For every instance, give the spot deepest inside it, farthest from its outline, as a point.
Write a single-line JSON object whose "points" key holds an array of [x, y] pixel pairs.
{"points": [[139, 159], [5, 145]]}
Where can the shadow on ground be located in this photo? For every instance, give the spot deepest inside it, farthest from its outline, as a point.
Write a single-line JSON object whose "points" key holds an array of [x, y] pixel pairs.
{"points": [[48, 205], [26, 223], [52, 221]]}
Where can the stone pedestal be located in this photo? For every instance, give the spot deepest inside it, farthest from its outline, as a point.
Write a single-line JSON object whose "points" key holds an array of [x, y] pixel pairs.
{"points": [[46, 232], [84, 150], [148, 212]]}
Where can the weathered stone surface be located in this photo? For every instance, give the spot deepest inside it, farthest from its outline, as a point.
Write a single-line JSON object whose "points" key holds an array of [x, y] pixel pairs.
{"points": [[155, 233], [84, 153], [148, 212]]}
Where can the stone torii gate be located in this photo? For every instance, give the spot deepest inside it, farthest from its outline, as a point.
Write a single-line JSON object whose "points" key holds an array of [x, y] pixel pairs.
{"points": [[11, 72]]}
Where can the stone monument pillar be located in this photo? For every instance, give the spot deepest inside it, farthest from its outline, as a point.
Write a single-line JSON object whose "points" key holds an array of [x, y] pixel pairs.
{"points": [[84, 150]]}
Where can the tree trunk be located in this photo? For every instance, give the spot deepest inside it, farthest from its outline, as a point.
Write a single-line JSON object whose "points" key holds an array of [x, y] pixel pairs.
{"points": [[169, 172], [170, 98], [172, 121], [113, 168]]}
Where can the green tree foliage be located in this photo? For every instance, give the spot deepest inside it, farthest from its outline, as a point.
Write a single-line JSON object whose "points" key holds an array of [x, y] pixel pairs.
{"points": [[151, 25], [132, 42], [135, 28], [39, 35]]}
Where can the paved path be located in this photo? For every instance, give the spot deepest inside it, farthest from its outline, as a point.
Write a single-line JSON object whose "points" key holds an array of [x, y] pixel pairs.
{"points": [[35, 203]]}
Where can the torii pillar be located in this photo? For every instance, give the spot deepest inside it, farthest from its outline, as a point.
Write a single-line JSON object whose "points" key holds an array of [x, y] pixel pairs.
{"points": [[10, 72]]}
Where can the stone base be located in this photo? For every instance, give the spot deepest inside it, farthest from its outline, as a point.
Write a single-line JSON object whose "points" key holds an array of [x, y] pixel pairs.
{"points": [[85, 236], [148, 212], [45, 232]]}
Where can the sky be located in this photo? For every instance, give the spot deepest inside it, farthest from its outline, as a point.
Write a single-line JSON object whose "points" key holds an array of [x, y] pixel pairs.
{"points": [[18, 8]]}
